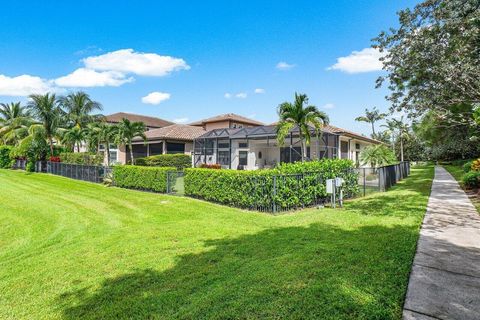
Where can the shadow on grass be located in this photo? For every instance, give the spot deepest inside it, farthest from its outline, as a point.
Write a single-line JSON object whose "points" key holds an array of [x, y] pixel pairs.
{"points": [[319, 271]]}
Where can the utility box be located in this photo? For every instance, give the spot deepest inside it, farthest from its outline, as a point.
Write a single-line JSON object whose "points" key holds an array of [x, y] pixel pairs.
{"points": [[339, 182], [329, 186]]}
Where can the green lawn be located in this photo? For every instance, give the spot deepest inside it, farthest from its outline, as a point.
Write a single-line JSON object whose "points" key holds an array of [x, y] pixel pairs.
{"points": [[457, 172], [71, 249]]}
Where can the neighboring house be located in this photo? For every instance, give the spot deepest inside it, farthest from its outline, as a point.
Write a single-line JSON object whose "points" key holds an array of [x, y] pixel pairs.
{"points": [[229, 120], [257, 147]]}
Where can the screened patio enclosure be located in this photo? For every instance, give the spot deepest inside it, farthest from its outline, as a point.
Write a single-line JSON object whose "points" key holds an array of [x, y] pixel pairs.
{"points": [[258, 148]]}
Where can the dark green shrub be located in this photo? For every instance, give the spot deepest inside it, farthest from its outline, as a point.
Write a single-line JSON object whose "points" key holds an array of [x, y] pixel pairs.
{"points": [[287, 186], [467, 167], [5, 160], [471, 179], [178, 160], [84, 158], [141, 178], [30, 166]]}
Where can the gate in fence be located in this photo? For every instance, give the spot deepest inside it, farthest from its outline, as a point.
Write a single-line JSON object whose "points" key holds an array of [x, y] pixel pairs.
{"points": [[175, 183], [78, 171]]}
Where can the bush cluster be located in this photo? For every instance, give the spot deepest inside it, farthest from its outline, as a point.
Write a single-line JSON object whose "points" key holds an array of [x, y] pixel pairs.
{"points": [[179, 161], [6, 161], [467, 166], [84, 158], [288, 186], [471, 180], [142, 178]]}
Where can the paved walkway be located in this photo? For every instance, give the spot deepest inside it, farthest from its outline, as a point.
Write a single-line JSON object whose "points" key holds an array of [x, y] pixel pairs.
{"points": [[445, 278]]}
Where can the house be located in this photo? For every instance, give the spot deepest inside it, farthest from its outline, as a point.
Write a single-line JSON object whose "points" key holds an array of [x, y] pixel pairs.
{"points": [[256, 147], [229, 120], [163, 137]]}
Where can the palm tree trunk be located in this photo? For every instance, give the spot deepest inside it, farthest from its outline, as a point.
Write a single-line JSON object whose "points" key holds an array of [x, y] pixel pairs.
{"points": [[401, 148], [78, 146], [50, 141], [108, 151], [301, 144], [373, 128], [131, 153]]}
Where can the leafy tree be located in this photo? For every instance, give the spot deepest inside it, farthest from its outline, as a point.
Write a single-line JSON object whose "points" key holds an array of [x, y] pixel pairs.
{"points": [[302, 116], [105, 133], [433, 57], [383, 136], [128, 130], [391, 127], [377, 155], [371, 117], [45, 109], [78, 107]]}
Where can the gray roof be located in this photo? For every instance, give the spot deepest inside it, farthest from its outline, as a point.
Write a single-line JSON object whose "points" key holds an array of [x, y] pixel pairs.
{"points": [[250, 133]]}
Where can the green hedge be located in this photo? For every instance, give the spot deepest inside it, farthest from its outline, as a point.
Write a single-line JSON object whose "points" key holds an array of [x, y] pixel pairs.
{"points": [[179, 161], [5, 160], [85, 158], [142, 178], [288, 186]]}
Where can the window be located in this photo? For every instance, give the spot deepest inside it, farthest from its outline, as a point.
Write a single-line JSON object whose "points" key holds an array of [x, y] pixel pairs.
{"points": [[357, 146], [175, 147], [243, 158], [139, 151], [344, 149], [224, 158], [243, 144], [209, 147], [156, 148], [223, 145], [101, 147], [296, 154], [259, 154], [113, 156]]}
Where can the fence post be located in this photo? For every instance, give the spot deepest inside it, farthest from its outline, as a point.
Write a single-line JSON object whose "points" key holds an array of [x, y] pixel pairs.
{"points": [[274, 193], [364, 182]]}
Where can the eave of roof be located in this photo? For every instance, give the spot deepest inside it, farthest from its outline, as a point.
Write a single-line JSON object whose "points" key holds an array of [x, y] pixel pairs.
{"points": [[227, 117]]}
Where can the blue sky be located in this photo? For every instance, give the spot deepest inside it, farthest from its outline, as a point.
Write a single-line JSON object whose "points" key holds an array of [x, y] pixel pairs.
{"points": [[220, 53]]}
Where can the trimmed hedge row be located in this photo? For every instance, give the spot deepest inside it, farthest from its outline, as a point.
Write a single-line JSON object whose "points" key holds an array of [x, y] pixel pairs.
{"points": [[141, 178], [179, 161], [286, 187], [85, 158]]}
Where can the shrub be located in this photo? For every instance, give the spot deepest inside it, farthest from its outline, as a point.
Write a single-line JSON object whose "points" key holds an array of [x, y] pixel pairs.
{"points": [[141, 178], [178, 160], [85, 158], [471, 179], [30, 166], [5, 160], [475, 165], [288, 186], [55, 159], [467, 166], [211, 166]]}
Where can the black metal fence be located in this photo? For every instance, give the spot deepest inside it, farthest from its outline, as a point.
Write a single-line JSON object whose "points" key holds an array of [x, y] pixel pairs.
{"points": [[19, 164], [382, 178], [78, 171]]}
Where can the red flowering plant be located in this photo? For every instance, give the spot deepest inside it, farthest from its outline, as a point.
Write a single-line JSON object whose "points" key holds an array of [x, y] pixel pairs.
{"points": [[55, 159]]}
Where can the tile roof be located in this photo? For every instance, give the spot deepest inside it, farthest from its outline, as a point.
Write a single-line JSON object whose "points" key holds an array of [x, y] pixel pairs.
{"points": [[182, 132], [227, 116], [337, 130], [151, 122]]}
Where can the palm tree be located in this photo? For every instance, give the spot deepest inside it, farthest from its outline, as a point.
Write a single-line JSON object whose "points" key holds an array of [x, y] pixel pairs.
{"points": [[371, 117], [302, 116], [74, 137], [79, 107], [46, 110], [402, 128], [127, 131], [391, 127], [377, 155], [105, 133], [14, 122]]}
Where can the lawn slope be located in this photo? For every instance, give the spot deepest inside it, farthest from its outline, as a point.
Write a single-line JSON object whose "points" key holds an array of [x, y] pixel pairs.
{"points": [[71, 249]]}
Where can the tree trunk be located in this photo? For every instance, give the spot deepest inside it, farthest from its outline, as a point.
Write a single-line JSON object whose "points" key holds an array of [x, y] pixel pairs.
{"points": [[131, 153], [301, 144], [373, 129], [107, 150], [78, 147], [401, 148], [50, 141]]}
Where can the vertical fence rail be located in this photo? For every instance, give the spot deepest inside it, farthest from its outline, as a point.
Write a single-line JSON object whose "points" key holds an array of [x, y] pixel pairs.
{"points": [[78, 171]]}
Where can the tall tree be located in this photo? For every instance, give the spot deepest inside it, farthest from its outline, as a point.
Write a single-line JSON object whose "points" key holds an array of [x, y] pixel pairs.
{"points": [[46, 110], [14, 122], [106, 134], [79, 107], [402, 129], [433, 58], [74, 137], [128, 130], [302, 116], [371, 117], [391, 127]]}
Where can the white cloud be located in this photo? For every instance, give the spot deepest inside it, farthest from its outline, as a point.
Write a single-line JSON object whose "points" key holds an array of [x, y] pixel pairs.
{"points": [[90, 78], [328, 106], [24, 85], [282, 65], [227, 95], [181, 120], [259, 90], [129, 61], [155, 97], [241, 95], [366, 60]]}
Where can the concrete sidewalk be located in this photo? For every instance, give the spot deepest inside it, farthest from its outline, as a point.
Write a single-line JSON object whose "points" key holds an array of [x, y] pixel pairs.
{"points": [[445, 278]]}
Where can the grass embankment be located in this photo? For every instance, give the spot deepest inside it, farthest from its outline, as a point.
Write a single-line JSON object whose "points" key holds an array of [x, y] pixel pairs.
{"points": [[71, 249], [457, 172]]}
